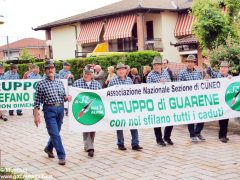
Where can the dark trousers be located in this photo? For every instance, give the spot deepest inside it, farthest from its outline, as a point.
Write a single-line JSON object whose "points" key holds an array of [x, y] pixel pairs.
{"points": [[167, 133], [66, 110], [223, 128], [195, 130], [54, 118]]}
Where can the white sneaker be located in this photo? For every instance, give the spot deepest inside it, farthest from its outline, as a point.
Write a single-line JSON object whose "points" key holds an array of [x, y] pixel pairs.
{"points": [[194, 139]]}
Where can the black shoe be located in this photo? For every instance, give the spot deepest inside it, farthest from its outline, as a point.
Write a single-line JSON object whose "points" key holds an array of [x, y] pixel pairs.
{"points": [[137, 148], [122, 147], [223, 140], [91, 153], [161, 143], [227, 138], [20, 114], [200, 137], [168, 141], [62, 162], [49, 153], [4, 118], [11, 113]]}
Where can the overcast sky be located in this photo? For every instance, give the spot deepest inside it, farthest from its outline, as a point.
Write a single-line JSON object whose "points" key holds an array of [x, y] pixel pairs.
{"points": [[21, 15]]}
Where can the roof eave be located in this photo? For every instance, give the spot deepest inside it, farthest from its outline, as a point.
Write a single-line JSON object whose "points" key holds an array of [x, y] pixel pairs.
{"points": [[137, 10]]}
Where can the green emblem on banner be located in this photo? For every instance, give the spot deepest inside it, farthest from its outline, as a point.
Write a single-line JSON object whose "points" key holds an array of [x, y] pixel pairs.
{"points": [[88, 108], [232, 96]]}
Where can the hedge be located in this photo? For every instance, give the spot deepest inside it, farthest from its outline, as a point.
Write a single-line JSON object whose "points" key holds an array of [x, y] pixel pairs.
{"points": [[22, 61], [134, 59]]}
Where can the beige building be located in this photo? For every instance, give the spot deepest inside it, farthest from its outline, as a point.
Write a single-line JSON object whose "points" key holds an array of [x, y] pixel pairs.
{"points": [[127, 25]]}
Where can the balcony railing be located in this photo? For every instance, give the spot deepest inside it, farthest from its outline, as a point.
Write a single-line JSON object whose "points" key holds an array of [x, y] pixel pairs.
{"points": [[187, 48], [154, 44], [129, 45], [79, 54]]}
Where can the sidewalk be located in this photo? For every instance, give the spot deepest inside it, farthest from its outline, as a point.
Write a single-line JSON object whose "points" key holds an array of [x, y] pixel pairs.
{"points": [[22, 145]]}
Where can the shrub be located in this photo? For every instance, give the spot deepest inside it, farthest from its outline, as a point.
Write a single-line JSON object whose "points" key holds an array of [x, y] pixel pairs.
{"points": [[134, 59], [229, 52]]}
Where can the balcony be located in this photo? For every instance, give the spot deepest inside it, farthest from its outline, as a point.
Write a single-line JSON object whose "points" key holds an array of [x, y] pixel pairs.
{"points": [[154, 44]]}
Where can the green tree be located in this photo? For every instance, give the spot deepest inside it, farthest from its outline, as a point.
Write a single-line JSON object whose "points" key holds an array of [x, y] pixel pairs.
{"points": [[211, 25], [227, 52], [233, 8], [27, 56]]}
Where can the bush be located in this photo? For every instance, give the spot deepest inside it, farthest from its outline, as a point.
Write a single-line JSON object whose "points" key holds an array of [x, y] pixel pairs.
{"points": [[229, 52], [23, 61], [135, 59]]}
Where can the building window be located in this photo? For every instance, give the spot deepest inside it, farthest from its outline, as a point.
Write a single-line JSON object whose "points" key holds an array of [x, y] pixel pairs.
{"points": [[149, 25], [120, 44], [48, 35]]}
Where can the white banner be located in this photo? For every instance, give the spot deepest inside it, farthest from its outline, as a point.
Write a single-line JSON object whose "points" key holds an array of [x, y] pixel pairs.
{"points": [[20, 94], [154, 105]]}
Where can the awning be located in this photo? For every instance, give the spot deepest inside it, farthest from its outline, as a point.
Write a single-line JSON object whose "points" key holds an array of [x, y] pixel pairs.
{"points": [[119, 27], [184, 25], [90, 32]]}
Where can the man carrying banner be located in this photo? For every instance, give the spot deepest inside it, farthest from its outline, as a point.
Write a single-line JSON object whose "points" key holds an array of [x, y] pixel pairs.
{"points": [[122, 78], [190, 74], [2, 77], [87, 82], [12, 74], [51, 93], [223, 73], [158, 75]]}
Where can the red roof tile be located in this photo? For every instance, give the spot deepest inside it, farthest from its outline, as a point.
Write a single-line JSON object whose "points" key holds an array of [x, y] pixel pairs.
{"points": [[25, 43]]}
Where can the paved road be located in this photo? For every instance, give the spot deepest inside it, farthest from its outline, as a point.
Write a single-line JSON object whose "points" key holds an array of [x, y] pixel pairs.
{"points": [[22, 144]]}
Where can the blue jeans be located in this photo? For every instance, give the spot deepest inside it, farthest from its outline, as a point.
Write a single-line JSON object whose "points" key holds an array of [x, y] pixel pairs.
{"points": [[54, 118], [120, 137], [195, 130]]}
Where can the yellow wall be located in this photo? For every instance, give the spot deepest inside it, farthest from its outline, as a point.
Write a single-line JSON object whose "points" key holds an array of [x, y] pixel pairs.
{"points": [[63, 42], [80, 49], [169, 20], [157, 25], [163, 27]]}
